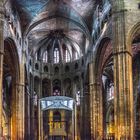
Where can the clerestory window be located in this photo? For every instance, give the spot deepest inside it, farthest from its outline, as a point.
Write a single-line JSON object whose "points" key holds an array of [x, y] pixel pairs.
{"points": [[56, 55], [45, 57], [67, 56]]}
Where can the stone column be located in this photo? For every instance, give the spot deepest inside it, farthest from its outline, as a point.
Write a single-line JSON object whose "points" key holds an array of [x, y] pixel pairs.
{"points": [[95, 106], [14, 110], [1, 61], [78, 112], [19, 122], [97, 111], [75, 122], [27, 117], [32, 108], [81, 119], [51, 125], [72, 125], [124, 128], [21, 100], [91, 98], [40, 122], [40, 113]]}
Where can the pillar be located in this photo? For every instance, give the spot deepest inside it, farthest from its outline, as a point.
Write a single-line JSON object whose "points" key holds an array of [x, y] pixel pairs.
{"points": [[51, 125], [95, 105], [81, 112], [32, 108], [27, 114], [75, 122], [21, 101], [40, 113], [18, 118], [91, 99], [123, 102], [1, 61]]}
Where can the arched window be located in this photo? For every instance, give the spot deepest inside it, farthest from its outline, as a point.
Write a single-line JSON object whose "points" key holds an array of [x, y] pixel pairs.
{"points": [[78, 97], [56, 55], [76, 55], [36, 58], [45, 57], [67, 56]]}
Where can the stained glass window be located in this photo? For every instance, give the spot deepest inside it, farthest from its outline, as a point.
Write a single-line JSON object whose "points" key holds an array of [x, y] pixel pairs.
{"points": [[67, 56], [45, 57], [56, 55]]}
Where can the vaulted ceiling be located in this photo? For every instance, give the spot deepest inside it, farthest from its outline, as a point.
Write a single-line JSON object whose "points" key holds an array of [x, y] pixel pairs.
{"points": [[73, 18], [29, 9]]}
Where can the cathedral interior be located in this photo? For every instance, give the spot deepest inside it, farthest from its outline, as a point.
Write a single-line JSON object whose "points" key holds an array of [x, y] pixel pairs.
{"points": [[69, 69]]}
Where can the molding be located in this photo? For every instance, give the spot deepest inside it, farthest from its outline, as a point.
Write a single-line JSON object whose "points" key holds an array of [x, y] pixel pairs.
{"points": [[122, 52]]}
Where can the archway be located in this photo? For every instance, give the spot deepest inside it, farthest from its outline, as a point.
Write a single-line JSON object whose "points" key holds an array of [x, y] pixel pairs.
{"points": [[10, 90], [110, 123], [136, 84], [103, 87], [133, 41]]}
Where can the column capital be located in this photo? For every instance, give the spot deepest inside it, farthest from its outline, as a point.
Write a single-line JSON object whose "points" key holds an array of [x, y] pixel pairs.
{"points": [[122, 52], [96, 84], [19, 86]]}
